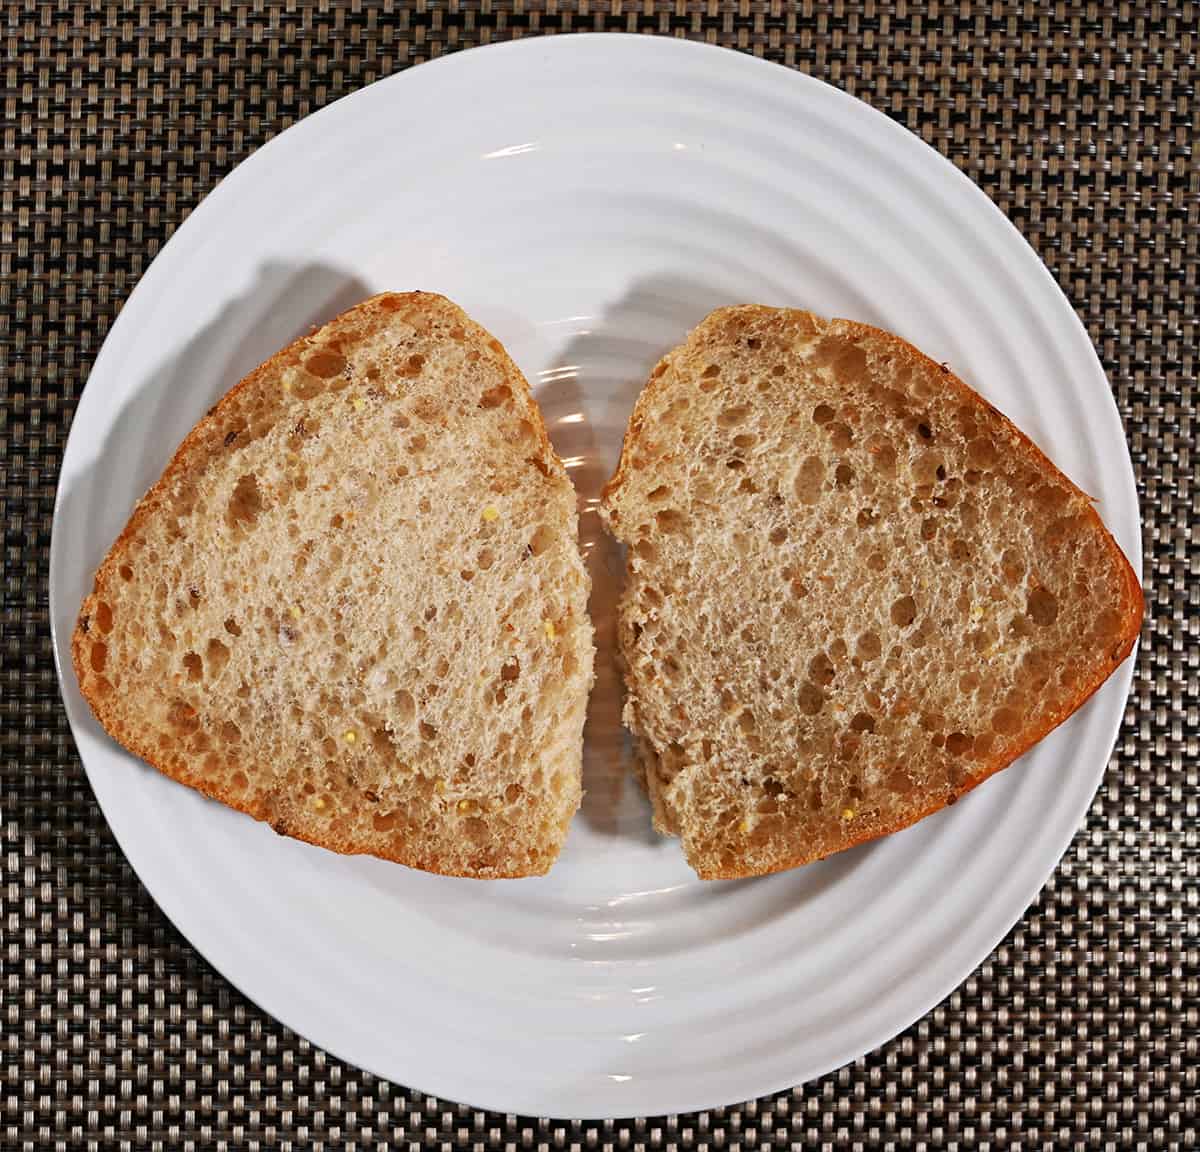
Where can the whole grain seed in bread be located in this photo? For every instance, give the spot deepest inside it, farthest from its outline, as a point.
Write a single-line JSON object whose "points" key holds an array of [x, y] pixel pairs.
{"points": [[354, 605], [854, 589]]}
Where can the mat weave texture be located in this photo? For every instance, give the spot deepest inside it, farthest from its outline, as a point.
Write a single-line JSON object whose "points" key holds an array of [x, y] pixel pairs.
{"points": [[1082, 1030]]}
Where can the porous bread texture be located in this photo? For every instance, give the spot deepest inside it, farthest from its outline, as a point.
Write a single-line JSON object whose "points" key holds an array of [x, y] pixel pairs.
{"points": [[354, 605], [854, 589]]}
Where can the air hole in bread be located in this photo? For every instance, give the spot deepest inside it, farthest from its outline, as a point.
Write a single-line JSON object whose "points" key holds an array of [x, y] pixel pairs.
{"points": [[182, 717], [925, 469], [840, 436], [981, 455], [823, 414], [542, 539], [869, 646], [325, 364], [843, 475], [427, 731], [485, 559], [126, 572], [810, 479], [216, 656], [929, 529], [862, 722], [404, 707], [745, 440], [810, 699], [658, 494], [748, 486], [193, 665], [904, 611], [104, 617], [924, 430], [510, 670], [418, 443], [1042, 607], [99, 654], [303, 386], [735, 463], [848, 361], [670, 520], [821, 670], [733, 416], [645, 550], [883, 454], [496, 396], [245, 503], [958, 743], [960, 550]]}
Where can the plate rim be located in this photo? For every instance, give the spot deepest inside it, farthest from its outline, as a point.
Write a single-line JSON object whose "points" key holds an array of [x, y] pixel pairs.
{"points": [[618, 41]]}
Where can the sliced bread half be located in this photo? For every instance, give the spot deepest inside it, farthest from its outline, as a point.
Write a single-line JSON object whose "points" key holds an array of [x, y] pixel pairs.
{"points": [[855, 590], [354, 605]]}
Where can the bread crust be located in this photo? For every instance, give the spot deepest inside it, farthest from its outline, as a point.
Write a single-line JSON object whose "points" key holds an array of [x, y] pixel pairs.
{"points": [[135, 737], [1130, 599]]}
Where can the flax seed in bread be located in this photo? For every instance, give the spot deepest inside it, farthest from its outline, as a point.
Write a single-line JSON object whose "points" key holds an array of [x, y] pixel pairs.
{"points": [[854, 589], [354, 604]]}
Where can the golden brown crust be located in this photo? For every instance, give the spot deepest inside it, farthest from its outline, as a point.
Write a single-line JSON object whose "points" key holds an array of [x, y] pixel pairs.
{"points": [[98, 691], [1131, 609]]}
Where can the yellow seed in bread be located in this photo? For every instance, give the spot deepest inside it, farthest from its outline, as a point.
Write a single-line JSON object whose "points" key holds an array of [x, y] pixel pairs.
{"points": [[490, 513], [350, 736]]}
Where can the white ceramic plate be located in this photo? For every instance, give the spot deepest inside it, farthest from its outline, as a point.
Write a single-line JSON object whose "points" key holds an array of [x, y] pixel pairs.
{"points": [[589, 199]]}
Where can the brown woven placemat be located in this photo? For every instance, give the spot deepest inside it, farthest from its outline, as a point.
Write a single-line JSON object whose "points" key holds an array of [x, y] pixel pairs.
{"points": [[1083, 1027]]}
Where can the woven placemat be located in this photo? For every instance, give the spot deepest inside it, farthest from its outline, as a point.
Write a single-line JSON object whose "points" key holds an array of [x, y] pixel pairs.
{"points": [[1083, 1027]]}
